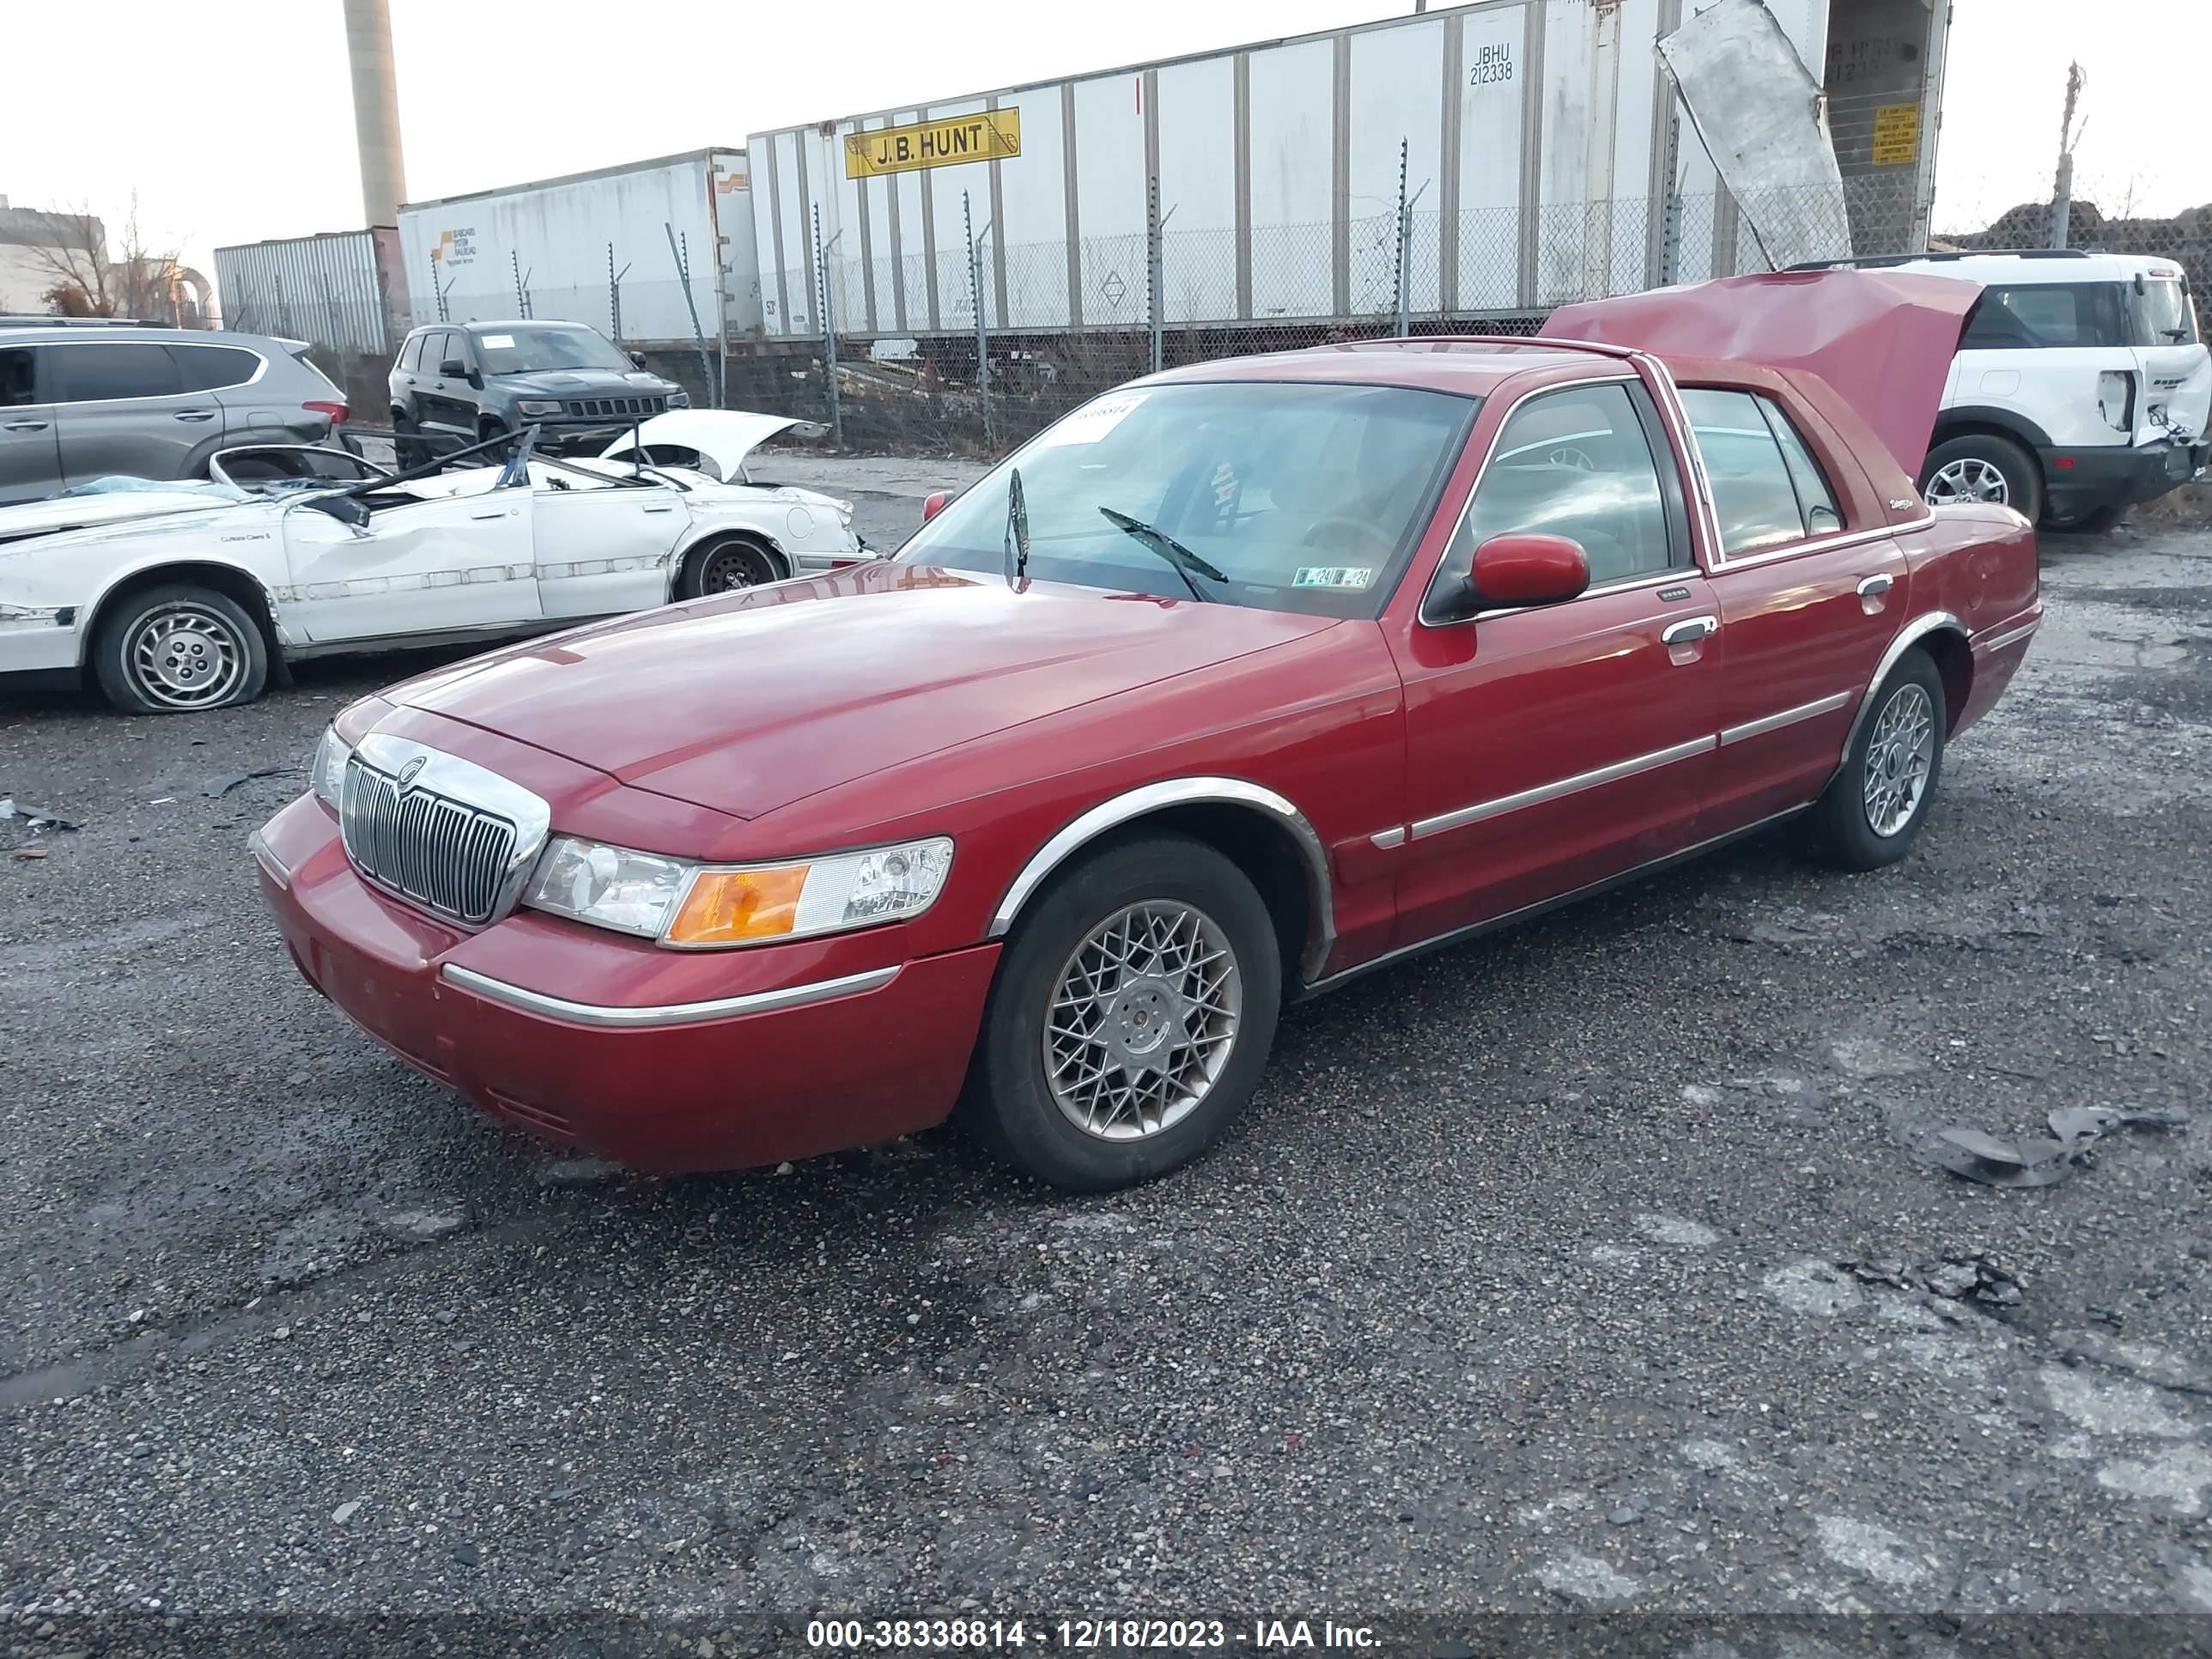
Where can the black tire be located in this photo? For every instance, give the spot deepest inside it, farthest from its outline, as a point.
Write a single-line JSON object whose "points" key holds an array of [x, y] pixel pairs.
{"points": [[179, 649], [1009, 1104], [489, 427], [1843, 832], [2095, 522], [2021, 473], [728, 564], [408, 449]]}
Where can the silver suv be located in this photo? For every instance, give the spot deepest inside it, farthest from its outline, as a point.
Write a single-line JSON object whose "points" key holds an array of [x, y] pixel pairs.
{"points": [[79, 402]]}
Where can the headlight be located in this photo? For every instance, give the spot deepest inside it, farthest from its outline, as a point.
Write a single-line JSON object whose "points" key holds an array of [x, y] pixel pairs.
{"points": [[331, 758], [679, 400], [704, 907], [540, 406]]}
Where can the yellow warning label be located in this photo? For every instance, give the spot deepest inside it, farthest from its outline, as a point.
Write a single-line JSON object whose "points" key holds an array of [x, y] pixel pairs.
{"points": [[1896, 135], [987, 136]]}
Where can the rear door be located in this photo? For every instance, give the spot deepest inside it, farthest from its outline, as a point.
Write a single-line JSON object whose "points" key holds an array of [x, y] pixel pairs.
{"points": [[30, 443], [2174, 370], [122, 410], [459, 564], [1808, 600], [1550, 749], [231, 374], [443, 398]]}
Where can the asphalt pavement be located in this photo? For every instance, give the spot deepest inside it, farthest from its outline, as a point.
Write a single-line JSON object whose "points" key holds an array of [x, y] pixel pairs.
{"points": [[1516, 1290]]}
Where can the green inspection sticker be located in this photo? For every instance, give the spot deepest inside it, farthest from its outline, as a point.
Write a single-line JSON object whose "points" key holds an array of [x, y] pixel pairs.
{"points": [[1333, 575]]}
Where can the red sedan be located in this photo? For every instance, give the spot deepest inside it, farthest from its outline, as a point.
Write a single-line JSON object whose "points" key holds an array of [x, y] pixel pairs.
{"points": [[1240, 681]]}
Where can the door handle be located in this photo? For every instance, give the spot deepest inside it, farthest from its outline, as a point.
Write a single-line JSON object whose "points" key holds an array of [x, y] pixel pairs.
{"points": [[193, 415], [496, 512], [1871, 586], [668, 507], [24, 426], [1689, 630]]}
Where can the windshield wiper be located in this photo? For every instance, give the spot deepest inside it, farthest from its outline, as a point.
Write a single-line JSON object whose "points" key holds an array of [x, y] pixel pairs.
{"points": [[1168, 548], [1017, 527]]}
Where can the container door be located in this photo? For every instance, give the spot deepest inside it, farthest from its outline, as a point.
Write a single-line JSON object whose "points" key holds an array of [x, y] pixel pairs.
{"points": [[1758, 110]]}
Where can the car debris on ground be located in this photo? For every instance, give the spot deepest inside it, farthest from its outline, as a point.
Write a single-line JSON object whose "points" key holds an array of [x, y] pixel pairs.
{"points": [[2039, 1163], [34, 818]]}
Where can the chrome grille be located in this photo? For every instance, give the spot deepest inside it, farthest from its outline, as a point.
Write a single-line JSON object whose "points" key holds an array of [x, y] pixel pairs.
{"points": [[446, 855], [600, 408]]}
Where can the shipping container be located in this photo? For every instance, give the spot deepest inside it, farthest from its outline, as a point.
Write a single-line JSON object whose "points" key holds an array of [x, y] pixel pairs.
{"points": [[600, 247], [1540, 146], [344, 291]]}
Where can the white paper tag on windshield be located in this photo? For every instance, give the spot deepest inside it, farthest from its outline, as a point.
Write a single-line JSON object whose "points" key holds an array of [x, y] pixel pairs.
{"points": [[1333, 575], [499, 342], [1093, 421]]}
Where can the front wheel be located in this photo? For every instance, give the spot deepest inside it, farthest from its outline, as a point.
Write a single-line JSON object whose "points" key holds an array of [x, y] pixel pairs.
{"points": [[174, 650], [1130, 1020], [2093, 522], [1876, 804]]}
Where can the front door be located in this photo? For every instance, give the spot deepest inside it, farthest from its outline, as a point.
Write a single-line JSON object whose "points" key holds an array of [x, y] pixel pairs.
{"points": [[30, 446], [1807, 602], [463, 563], [1550, 749], [604, 548]]}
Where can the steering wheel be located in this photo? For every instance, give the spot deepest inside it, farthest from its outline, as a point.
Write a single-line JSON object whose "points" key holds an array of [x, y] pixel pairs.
{"points": [[1360, 531], [1568, 455]]}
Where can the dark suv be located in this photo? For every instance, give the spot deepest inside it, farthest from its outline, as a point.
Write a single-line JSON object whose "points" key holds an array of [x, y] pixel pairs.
{"points": [[455, 383], [79, 403]]}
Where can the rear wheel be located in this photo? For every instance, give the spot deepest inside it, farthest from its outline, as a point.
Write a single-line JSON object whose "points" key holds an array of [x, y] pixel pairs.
{"points": [[726, 566], [1130, 1020], [1982, 467], [1876, 803], [173, 650]]}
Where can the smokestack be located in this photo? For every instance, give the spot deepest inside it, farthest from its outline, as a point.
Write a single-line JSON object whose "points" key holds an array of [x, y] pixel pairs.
{"points": [[375, 109]]}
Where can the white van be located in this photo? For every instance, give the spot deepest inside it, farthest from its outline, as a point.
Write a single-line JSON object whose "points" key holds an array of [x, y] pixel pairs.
{"points": [[2081, 385]]}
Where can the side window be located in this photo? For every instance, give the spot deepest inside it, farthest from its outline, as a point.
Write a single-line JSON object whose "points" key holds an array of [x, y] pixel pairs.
{"points": [[1754, 494], [457, 347], [18, 385], [95, 371], [411, 354], [2044, 315], [210, 369], [1815, 501], [1575, 462]]}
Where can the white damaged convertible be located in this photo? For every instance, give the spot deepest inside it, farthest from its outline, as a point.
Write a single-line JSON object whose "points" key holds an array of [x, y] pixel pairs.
{"points": [[187, 596]]}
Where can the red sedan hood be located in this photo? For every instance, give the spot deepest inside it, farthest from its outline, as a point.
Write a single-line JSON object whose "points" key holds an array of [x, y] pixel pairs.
{"points": [[1883, 339], [750, 702]]}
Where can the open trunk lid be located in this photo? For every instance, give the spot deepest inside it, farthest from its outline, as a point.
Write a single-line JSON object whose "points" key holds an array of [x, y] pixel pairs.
{"points": [[1883, 339]]}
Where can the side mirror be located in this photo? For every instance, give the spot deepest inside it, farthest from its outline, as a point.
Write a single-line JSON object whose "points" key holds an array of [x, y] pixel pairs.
{"points": [[453, 369], [934, 503], [2141, 286], [637, 358], [1517, 569]]}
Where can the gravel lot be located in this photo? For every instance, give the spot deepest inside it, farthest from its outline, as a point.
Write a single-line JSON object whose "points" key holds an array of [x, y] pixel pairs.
{"points": [[1517, 1291]]}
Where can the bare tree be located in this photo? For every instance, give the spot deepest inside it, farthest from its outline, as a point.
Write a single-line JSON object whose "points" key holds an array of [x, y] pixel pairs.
{"points": [[87, 280]]}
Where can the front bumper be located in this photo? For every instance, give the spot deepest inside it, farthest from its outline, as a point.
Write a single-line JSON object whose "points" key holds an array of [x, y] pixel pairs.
{"points": [[712, 1062], [2078, 480]]}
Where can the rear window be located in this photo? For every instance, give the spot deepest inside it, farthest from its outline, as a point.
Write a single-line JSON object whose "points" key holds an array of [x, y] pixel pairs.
{"points": [[2161, 315], [210, 369], [411, 357], [95, 371], [2038, 315]]}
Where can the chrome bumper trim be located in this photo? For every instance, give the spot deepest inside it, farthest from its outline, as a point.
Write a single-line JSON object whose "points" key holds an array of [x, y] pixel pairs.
{"points": [[673, 1013]]}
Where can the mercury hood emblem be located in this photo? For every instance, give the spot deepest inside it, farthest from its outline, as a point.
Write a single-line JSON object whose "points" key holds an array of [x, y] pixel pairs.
{"points": [[408, 772]]}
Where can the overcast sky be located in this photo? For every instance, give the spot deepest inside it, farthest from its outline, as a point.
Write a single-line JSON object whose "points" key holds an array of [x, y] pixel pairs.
{"points": [[233, 122]]}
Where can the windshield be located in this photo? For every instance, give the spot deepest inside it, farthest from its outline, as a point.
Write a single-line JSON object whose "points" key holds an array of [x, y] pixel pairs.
{"points": [[1301, 497], [516, 349], [2163, 315]]}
